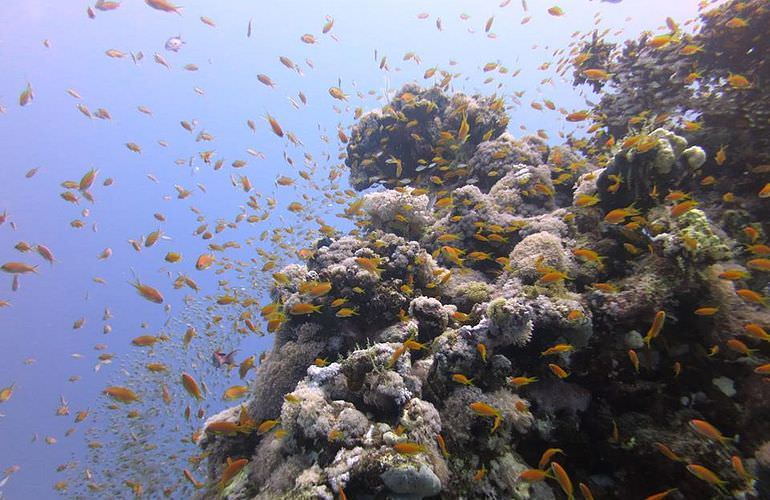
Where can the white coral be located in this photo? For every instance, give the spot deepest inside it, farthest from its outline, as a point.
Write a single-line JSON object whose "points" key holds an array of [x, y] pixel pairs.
{"points": [[318, 375], [383, 207]]}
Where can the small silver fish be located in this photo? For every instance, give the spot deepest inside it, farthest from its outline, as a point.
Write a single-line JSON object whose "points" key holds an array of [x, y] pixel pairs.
{"points": [[174, 43]]}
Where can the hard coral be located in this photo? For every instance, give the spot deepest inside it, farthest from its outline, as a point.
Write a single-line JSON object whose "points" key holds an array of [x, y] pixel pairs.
{"points": [[509, 322], [491, 315], [398, 212], [385, 139]]}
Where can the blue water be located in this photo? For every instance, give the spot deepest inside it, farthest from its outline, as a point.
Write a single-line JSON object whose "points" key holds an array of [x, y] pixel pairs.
{"points": [[38, 341]]}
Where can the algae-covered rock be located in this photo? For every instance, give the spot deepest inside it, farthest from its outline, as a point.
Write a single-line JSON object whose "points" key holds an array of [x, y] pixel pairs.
{"points": [[509, 322], [411, 483], [692, 234], [431, 316]]}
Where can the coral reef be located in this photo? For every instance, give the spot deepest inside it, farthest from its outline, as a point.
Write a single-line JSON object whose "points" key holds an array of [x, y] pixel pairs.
{"points": [[706, 84], [443, 348]]}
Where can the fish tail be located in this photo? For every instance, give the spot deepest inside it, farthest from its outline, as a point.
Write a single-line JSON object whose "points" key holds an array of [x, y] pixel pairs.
{"points": [[498, 420], [720, 485]]}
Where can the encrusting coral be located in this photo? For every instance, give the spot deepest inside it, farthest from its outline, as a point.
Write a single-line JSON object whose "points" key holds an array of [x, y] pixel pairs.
{"points": [[495, 309]]}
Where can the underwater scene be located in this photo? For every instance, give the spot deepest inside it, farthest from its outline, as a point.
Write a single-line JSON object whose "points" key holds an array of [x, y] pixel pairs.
{"points": [[385, 249]]}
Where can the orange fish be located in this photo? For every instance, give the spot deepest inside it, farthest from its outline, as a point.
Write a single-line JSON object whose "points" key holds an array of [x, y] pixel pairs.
{"points": [[563, 479], [232, 469], [304, 308], [397, 353], [558, 371], [558, 349], [620, 214], [751, 296], [737, 464], [18, 268], [223, 427], [707, 430], [739, 347], [708, 476], [370, 264], [204, 262], [121, 394], [409, 448], [347, 312], [266, 426], [235, 392], [546, 457], [163, 5], [585, 200], [733, 274], [337, 93], [88, 179], [661, 495], [736, 22], [755, 330], [320, 289], [676, 196], [462, 379], [556, 11], [442, 445], [156, 367], [738, 82], [758, 249], [552, 277], [266, 80], [656, 327], [751, 233], [586, 491], [485, 410], [277, 130], [682, 208], [196, 484], [667, 452], [721, 156], [521, 381], [534, 475], [145, 340], [26, 96], [191, 386], [6, 393], [596, 74], [577, 116], [575, 315], [482, 351], [148, 292], [588, 255], [634, 359], [327, 25]]}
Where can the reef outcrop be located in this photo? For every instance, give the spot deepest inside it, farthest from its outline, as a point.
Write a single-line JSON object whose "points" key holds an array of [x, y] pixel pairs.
{"points": [[502, 298]]}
